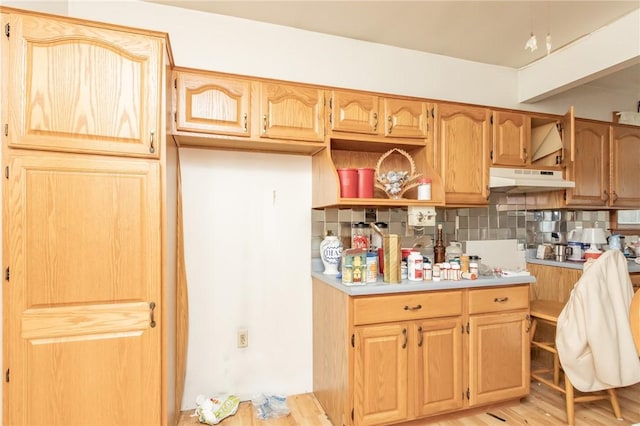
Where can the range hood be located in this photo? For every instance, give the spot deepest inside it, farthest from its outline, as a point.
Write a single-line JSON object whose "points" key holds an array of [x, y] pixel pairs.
{"points": [[518, 181]]}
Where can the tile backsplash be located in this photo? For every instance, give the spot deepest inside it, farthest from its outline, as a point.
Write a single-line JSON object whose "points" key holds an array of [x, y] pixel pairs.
{"points": [[497, 221]]}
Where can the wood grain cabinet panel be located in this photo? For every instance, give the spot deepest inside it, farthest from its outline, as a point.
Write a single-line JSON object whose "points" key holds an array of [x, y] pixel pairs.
{"points": [[433, 357], [85, 271], [464, 134], [85, 89], [511, 139], [291, 112], [590, 170], [213, 104], [354, 112], [405, 118], [625, 153]]}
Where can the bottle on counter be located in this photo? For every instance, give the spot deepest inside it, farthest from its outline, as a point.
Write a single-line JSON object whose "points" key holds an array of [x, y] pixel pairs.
{"points": [[415, 266], [424, 189], [438, 248], [427, 271]]}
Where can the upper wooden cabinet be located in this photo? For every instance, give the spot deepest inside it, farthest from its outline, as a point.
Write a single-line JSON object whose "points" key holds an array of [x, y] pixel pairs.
{"points": [[604, 165], [224, 111], [367, 113], [212, 104], [511, 139], [625, 152], [291, 112], [590, 170], [80, 88], [464, 134]]}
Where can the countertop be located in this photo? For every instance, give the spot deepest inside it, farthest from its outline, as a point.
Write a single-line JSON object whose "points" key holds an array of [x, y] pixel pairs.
{"points": [[380, 287], [631, 264]]}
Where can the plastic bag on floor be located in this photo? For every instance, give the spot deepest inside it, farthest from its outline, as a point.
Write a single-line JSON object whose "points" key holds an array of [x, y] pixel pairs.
{"points": [[213, 410], [270, 406]]}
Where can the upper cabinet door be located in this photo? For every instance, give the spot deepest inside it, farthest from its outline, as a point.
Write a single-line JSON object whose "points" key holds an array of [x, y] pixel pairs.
{"points": [[85, 89], [625, 152], [464, 134], [354, 112], [405, 118], [511, 138], [212, 104], [291, 112], [590, 170], [568, 138]]}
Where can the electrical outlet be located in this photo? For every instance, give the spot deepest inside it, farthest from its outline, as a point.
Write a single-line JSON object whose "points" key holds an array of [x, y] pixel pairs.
{"points": [[421, 216], [243, 338]]}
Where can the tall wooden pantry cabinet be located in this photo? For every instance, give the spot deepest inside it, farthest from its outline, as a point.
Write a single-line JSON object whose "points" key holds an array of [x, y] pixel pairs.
{"points": [[88, 230]]}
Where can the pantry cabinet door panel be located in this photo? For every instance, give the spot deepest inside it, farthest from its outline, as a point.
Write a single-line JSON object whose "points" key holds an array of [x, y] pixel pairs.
{"points": [[83, 89], [84, 302], [292, 112], [381, 362]]}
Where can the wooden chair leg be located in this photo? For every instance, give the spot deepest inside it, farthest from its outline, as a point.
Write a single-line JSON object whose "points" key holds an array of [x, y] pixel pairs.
{"points": [[556, 369], [570, 403], [614, 403]]}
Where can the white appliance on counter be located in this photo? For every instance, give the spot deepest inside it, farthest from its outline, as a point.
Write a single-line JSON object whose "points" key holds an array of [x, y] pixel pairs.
{"points": [[507, 255]]}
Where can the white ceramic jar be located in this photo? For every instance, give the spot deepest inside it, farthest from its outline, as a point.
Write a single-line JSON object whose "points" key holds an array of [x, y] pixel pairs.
{"points": [[331, 254]]}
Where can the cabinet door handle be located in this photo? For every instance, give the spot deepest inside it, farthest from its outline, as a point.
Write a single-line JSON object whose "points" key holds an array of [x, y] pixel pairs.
{"points": [[390, 119], [525, 156], [264, 123], [245, 122], [606, 195], [420, 336], [615, 196], [412, 308], [404, 333], [375, 121], [152, 306], [501, 299], [151, 148]]}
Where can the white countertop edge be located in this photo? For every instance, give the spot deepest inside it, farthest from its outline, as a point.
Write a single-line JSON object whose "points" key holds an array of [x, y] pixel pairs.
{"points": [[631, 265], [406, 286]]}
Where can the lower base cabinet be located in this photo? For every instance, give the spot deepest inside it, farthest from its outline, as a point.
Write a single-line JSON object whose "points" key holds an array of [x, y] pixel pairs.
{"points": [[386, 359]]}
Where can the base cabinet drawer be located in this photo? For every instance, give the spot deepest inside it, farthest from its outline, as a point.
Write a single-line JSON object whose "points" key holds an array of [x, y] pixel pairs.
{"points": [[498, 299]]}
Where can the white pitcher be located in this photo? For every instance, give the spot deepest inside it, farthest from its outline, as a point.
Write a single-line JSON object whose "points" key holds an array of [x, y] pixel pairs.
{"points": [[454, 249]]}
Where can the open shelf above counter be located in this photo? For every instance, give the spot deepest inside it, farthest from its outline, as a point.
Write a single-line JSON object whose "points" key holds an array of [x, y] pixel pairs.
{"points": [[361, 153]]}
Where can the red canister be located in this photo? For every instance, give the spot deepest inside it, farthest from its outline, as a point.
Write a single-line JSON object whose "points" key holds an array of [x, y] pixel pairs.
{"points": [[348, 183], [365, 182]]}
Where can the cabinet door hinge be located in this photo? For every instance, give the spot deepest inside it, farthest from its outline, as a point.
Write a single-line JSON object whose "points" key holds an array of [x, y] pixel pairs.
{"points": [[7, 30], [491, 119], [491, 155], [564, 195], [468, 329], [175, 83], [352, 415], [353, 340], [7, 274], [6, 172], [468, 394], [6, 129], [7, 375], [175, 117]]}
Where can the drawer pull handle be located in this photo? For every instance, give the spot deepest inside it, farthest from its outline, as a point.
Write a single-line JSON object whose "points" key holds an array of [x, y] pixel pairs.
{"points": [[404, 333], [501, 299], [412, 308], [420, 336]]}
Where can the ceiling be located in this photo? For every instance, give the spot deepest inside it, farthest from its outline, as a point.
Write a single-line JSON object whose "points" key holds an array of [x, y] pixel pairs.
{"points": [[492, 32]]}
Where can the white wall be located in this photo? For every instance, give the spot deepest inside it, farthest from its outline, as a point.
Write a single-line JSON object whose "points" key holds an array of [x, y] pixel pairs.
{"points": [[247, 222], [243, 270]]}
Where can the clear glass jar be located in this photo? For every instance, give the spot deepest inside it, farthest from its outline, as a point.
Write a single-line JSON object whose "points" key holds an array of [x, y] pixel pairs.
{"points": [[359, 237]]}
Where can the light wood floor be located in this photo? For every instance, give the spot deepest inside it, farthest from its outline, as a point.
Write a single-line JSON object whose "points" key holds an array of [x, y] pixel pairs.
{"points": [[543, 406]]}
